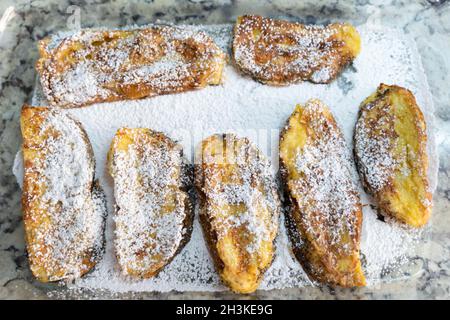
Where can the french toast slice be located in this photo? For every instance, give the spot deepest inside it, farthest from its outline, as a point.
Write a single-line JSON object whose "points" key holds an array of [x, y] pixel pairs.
{"points": [[239, 209], [64, 209], [100, 65], [278, 52], [154, 209], [390, 151], [324, 219]]}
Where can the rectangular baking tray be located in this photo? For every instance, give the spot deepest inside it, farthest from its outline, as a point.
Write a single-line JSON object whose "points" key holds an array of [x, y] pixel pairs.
{"points": [[38, 16]]}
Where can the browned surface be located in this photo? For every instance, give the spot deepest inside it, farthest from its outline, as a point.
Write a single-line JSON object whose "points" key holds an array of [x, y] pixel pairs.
{"points": [[390, 142], [312, 222], [141, 139], [227, 161], [121, 64], [36, 212]]}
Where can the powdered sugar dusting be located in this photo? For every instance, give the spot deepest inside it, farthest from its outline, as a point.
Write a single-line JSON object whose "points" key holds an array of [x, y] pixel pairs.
{"points": [[281, 52], [326, 192], [252, 191], [75, 208], [250, 109], [99, 65], [376, 160], [152, 208]]}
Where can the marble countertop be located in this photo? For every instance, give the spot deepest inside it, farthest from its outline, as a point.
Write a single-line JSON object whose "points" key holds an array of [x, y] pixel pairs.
{"points": [[24, 22]]}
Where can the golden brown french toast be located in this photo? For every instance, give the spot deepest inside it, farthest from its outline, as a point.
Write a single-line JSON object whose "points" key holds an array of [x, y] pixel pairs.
{"points": [[324, 219], [63, 207], [239, 209], [279, 52], [99, 66], [154, 211], [390, 150]]}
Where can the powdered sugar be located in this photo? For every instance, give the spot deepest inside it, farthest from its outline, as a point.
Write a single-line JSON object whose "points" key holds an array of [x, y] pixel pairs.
{"points": [[246, 197], [375, 152], [326, 194], [281, 52], [97, 65], [151, 210], [75, 208], [250, 109]]}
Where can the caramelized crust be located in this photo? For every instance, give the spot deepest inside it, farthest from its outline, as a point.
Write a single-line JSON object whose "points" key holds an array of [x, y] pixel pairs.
{"points": [[99, 66], [390, 151], [154, 212], [278, 52], [63, 208], [324, 219], [239, 209]]}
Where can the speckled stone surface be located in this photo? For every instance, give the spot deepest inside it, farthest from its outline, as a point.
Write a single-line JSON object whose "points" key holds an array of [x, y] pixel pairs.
{"points": [[24, 22]]}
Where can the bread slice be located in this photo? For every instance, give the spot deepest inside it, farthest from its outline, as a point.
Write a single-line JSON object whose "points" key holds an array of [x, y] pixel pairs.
{"points": [[63, 207], [390, 150], [239, 209], [154, 209], [324, 219], [109, 65], [278, 52]]}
